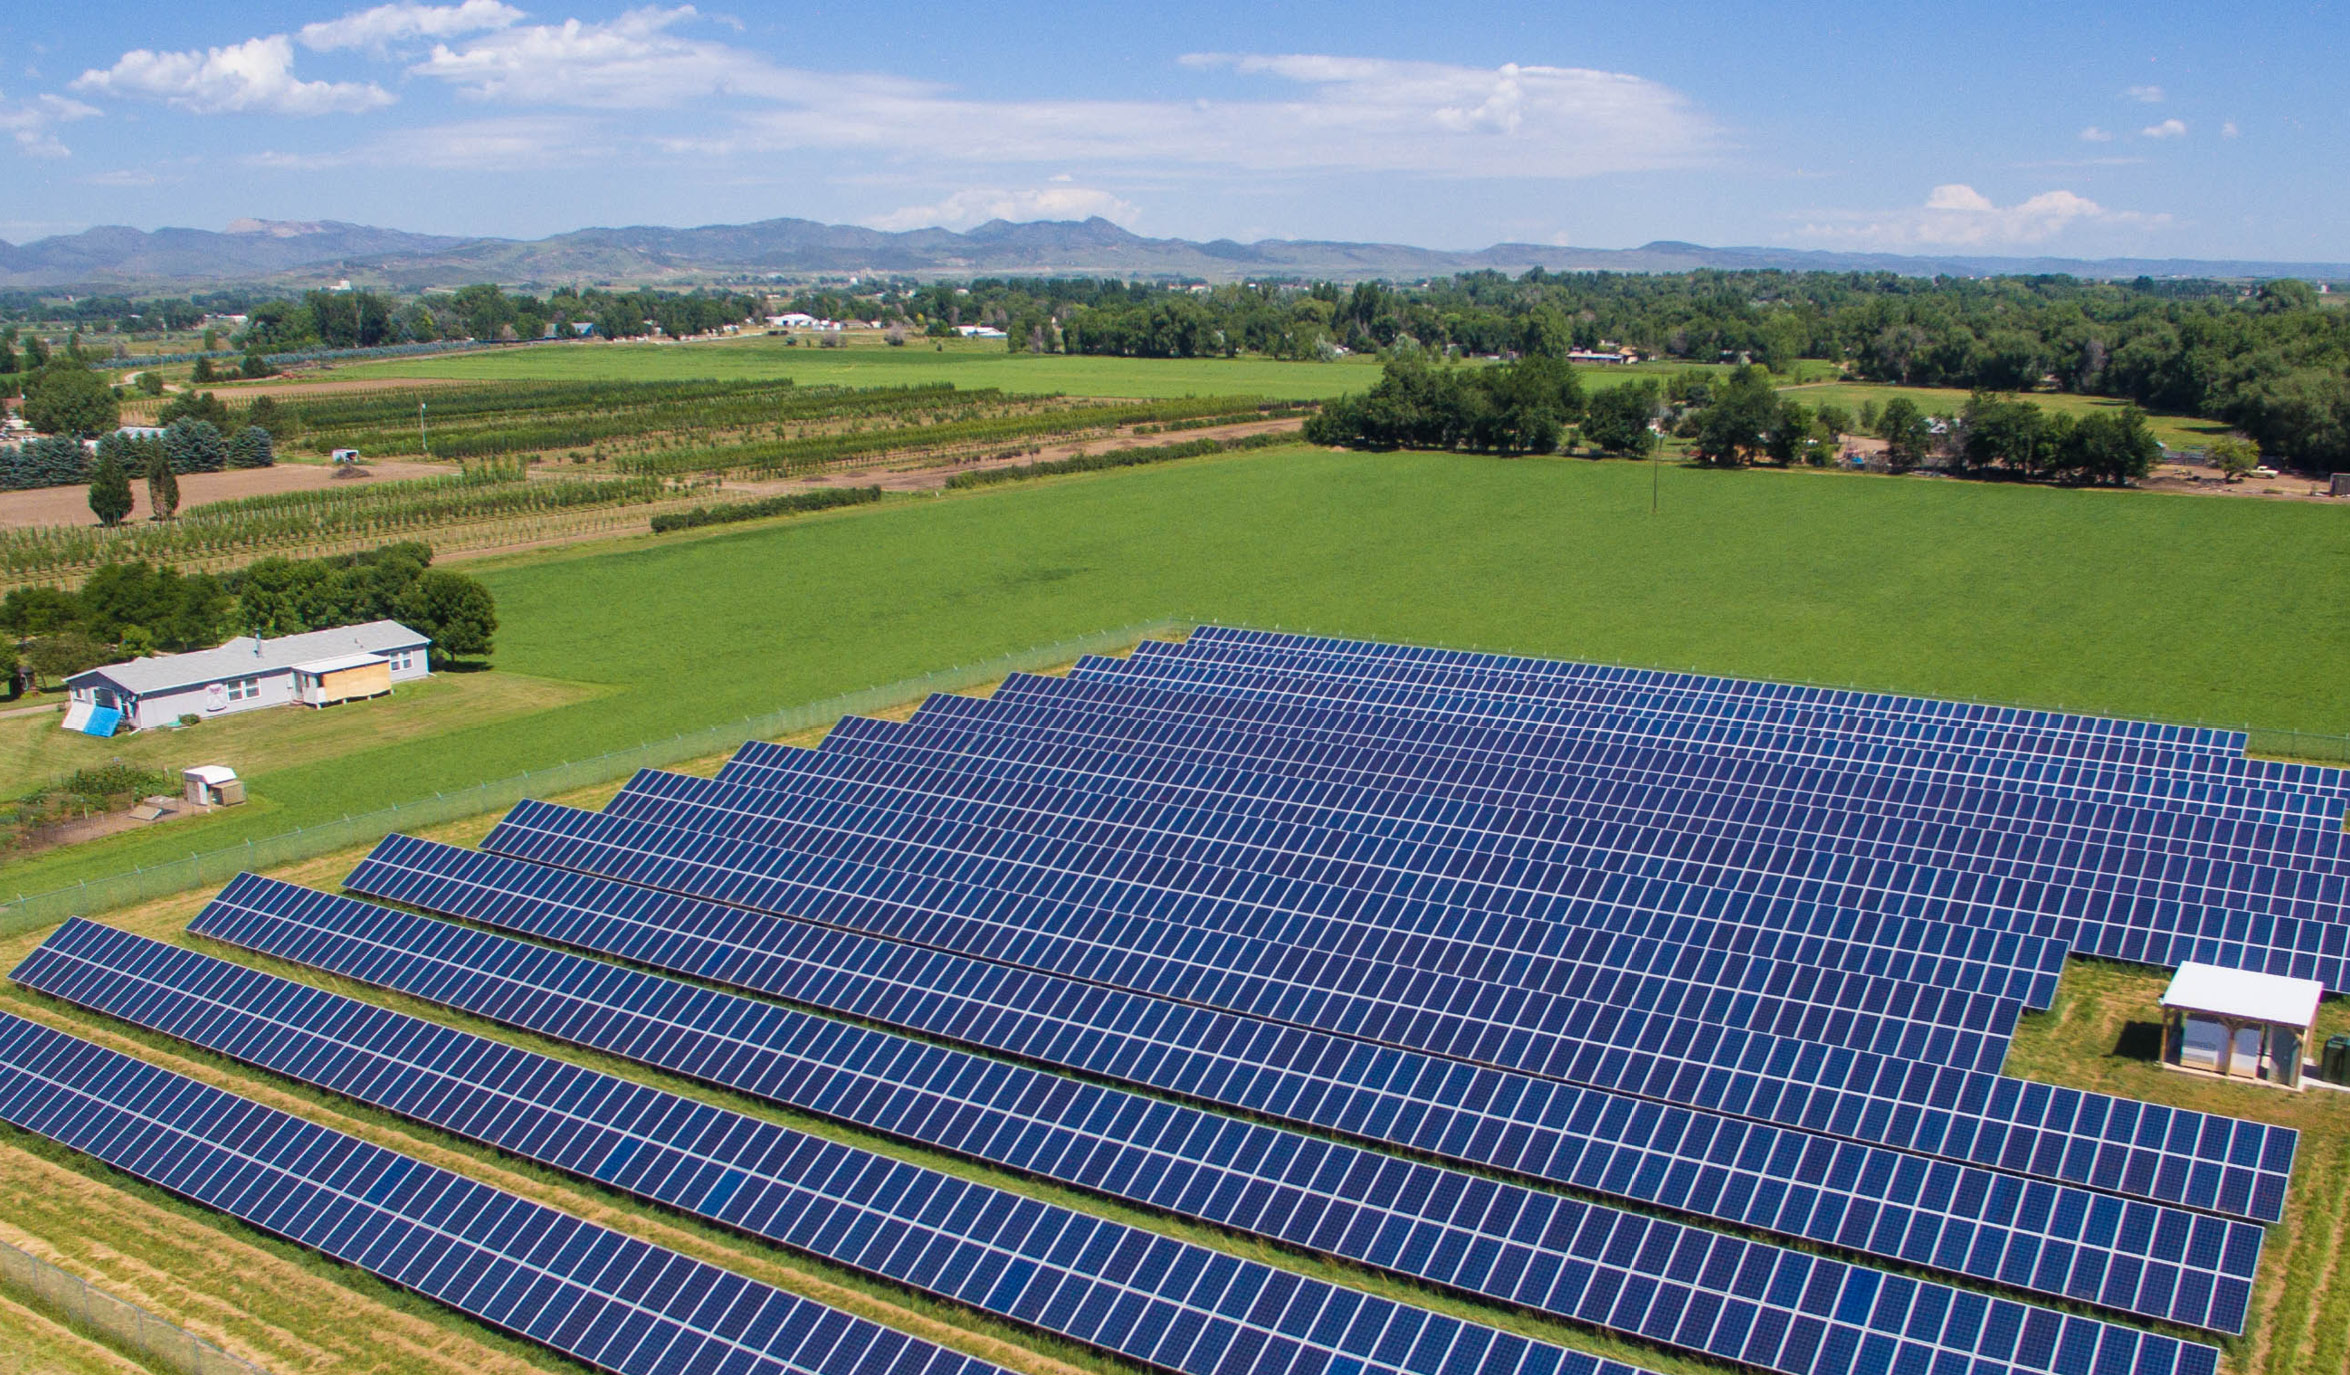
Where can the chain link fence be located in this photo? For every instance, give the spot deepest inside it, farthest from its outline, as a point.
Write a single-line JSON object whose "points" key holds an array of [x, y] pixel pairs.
{"points": [[125, 1326], [27, 913]]}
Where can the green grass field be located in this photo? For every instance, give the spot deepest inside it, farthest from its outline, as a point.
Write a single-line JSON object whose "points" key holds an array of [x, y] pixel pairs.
{"points": [[966, 363], [2176, 607]]}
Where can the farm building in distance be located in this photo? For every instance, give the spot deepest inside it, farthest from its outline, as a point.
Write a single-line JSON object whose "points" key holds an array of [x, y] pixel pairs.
{"points": [[315, 669]]}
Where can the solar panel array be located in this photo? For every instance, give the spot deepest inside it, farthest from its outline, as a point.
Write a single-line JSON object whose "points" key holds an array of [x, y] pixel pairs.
{"points": [[1557, 985], [1175, 1304], [608, 1299], [1964, 1220]]}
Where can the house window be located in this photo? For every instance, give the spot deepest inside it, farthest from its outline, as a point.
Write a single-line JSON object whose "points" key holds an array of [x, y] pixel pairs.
{"points": [[243, 689], [401, 659]]}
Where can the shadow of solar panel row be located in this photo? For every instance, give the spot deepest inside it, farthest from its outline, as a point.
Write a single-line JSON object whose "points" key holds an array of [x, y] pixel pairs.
{"points": [[1166, 1302], [1963, 1220], [2301, 933], [605, 1298], [2234, 1167], [1605, 713], [1714, 1293], [1970, 957], [1376, 658], [1291, 948]]}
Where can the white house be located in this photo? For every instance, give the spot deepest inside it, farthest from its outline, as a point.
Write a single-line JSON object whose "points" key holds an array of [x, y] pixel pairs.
{"points": [[315, 669], [979, 331]]}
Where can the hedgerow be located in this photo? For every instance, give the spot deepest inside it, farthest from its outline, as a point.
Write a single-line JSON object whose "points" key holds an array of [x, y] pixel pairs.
{"points": [[788, 504], [1120, 458]]}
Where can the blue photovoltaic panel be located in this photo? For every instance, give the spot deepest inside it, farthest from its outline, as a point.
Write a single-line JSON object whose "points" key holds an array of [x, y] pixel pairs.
{"points": [[2220, 1168], [2195, 912], [1569, 1258], [594, 1294], [1226, 911], [1707, 696], [1149, 1297], [1405, 707], [2116, 847], [1467, 840], [2318, 779], [1963, 1220]]}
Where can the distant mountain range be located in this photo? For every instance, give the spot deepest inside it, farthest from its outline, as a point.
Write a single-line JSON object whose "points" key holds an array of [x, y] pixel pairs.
{"points": [[288, 253]]}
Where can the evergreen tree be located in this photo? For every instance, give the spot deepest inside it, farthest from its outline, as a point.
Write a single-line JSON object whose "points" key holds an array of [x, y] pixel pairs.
{"points": [[110, 489], [250, 448], [203, 372], [163, 487]]}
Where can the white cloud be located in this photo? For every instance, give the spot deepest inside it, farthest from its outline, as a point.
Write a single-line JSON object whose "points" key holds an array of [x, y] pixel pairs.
{"points": [[377, 29], [633, 62], [2169, 128], [2093, 134], [1330, 114], [2144, 95], [1960, 216], [2229, 130], [981, 204], [31, 123], [254, 76]]}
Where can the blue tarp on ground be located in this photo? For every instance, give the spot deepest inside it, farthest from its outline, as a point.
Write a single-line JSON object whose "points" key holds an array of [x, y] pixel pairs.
{"points": [[102, 722]]}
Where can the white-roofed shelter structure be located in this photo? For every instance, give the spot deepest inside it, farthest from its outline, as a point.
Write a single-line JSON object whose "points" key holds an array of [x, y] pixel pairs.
{"points": [[2239, 1024], [316, 669]]}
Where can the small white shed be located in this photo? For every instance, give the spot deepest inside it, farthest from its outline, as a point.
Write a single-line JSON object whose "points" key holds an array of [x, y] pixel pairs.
{"points": [[2237, 1023]]}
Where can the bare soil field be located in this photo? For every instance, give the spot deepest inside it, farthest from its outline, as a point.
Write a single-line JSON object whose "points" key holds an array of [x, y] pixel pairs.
{"points": [[71, 505]]}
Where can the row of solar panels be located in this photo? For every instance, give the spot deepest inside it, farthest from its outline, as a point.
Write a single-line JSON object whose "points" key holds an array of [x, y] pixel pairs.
{"points": [[1255, 891], [1768, 1306], [2242, 891]]}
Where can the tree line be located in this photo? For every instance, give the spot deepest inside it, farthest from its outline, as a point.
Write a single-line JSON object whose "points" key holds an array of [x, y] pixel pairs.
{"points": [[129, 610], [2271, 359], [1536, 405]]}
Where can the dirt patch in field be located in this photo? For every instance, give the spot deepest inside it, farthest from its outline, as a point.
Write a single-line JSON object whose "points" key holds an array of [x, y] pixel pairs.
{"points": [[71, 505], [2206, 482]]}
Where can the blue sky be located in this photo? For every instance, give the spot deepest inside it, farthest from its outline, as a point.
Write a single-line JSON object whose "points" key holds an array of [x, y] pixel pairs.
{"points": [[2205, 130]]}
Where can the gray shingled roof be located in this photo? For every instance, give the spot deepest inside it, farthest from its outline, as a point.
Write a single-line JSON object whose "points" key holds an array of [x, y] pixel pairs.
{"points": [[246, 656]]}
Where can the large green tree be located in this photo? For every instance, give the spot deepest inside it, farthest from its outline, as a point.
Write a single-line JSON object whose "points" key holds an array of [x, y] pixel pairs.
{"points": [[1617, 420], [1738, 419], [1908, 437], [456, 611], [67, 398]]}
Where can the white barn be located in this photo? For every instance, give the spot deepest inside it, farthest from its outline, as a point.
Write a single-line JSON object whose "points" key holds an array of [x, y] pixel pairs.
{"points": [[315, 669]]}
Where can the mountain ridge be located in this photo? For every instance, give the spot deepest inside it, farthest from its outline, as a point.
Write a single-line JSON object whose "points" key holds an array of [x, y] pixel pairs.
{"points": [[307, 253]]}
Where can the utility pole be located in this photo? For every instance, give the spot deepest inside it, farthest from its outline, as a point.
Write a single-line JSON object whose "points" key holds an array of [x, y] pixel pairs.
{"points": [[1655, 469], [422, 437]]}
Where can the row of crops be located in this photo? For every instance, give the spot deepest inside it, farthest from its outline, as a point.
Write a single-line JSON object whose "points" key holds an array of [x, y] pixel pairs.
{"points": [[343, 512], [1063, 420], [492, 422], [761, 426]]}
